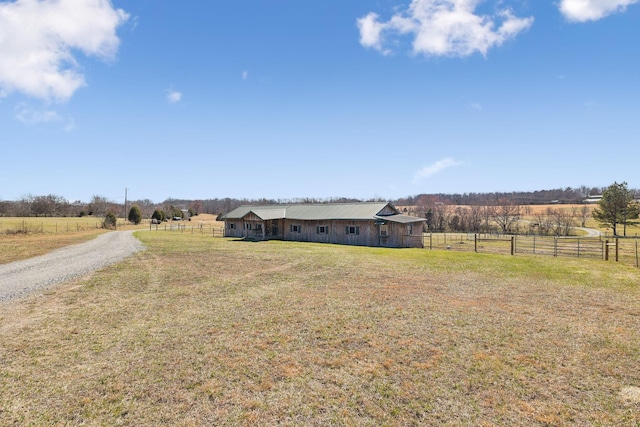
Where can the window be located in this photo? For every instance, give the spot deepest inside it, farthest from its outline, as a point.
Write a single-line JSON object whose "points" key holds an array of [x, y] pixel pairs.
{"points": [[410, 229], [322, 229], [258, 226], [232, 225], [384, 230], [353, 229], [296, 228], [247, 226]]}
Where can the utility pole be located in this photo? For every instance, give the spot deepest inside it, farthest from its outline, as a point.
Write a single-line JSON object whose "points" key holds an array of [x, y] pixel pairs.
{"points": [[125, 204]]}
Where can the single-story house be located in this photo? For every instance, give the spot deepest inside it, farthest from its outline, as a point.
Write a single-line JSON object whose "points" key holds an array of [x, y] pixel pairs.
{"points": [[361, 224]]}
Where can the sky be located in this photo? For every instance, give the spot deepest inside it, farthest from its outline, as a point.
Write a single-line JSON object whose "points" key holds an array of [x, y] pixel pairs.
{"points": [[286, 99]]}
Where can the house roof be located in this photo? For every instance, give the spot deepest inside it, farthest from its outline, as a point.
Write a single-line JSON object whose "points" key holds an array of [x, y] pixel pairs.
{"points": [[327, 211]]}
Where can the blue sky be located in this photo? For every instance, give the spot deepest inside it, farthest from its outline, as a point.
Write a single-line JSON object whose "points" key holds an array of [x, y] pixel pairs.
{"points": [[287, 99]]}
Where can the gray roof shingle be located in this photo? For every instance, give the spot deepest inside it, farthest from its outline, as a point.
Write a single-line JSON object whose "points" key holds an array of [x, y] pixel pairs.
{"points": [[328, 211]]}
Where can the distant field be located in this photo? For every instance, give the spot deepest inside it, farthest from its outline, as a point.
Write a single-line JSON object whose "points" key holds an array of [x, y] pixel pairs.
{"points": [[22, 238], [209, 331], [529, 213], [540, 209], [63, 225], [11, 225]]}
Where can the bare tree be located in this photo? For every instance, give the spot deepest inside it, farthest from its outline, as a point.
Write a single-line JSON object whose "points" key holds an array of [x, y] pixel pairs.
{"points": [[196, 206], [4, 208], [50, 205], [585, 213], [442, 216], [505, 215], [23, 206], [99, 206], [462, 213], [544, 223], [562, 220], [475, 218]]}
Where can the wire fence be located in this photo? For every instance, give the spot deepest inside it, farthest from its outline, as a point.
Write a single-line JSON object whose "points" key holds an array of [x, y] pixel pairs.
{"points": [[47, 227], [211, 230], [619, 249]]}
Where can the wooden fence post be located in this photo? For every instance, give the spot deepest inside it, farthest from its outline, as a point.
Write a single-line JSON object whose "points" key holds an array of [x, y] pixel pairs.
{"points": [[617, 247], [475, 243], [513, 245], [534, 244], [606, 250]]}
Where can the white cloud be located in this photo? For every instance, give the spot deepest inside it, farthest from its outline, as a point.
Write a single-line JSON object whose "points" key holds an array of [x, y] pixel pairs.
{"points": [[245, 75], [38, 41], [173, 96], [476, 106], [371, 32], [592, 10], [32, 117], [432, 169], [444, 28]]}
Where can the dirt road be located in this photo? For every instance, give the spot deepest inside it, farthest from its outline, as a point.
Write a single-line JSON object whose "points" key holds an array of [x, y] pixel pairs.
{"points": [[19, 278]]}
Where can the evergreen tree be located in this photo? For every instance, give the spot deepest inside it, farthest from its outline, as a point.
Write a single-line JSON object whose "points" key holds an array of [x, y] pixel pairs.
{"points": [[109, 221], [158, 215], [135, 216], [616, 207]]}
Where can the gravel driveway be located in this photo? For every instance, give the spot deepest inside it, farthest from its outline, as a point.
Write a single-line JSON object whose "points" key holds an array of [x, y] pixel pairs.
{"points": [[21, 277]]}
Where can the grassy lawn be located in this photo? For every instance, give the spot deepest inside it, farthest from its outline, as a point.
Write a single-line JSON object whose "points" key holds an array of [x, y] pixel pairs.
{"points": [[209, 331]]}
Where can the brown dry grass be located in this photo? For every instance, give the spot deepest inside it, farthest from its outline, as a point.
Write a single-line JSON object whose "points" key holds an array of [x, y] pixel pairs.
{"points": [[542, 209], [16, 247], [204, 331], [22, 238]]}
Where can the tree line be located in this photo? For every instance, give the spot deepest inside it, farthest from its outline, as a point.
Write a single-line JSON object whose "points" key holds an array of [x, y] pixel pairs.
{"points": [[567, 195], [617, 206], [468, 212], [52, 205]]}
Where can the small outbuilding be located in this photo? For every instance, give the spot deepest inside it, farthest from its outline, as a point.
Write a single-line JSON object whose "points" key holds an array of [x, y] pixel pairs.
{"points": [[361, 224]]}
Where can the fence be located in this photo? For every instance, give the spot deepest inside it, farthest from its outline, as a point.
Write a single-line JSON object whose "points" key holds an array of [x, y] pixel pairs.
{"points": [[615, 249], [32, 226], [193, 229]]}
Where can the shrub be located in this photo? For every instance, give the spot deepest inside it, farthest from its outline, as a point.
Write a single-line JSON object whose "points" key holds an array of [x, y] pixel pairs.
{"points": [[135, 216], [158, 214], [176, 212], [109, 222]]}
